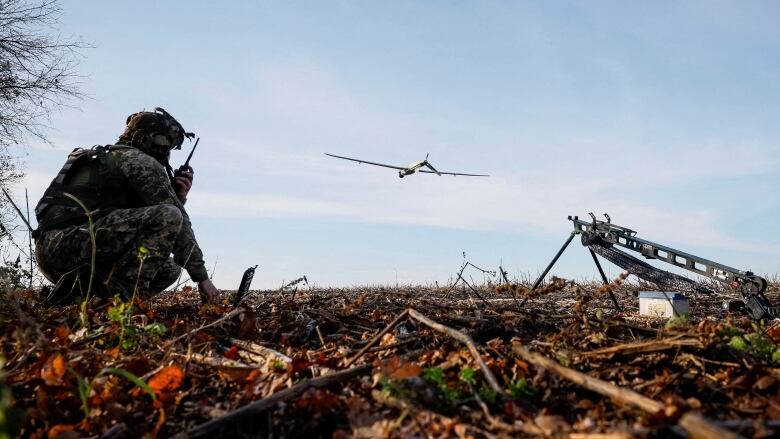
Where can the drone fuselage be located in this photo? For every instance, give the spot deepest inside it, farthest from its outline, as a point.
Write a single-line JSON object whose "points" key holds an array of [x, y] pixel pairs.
{"points": [[413, 168]]}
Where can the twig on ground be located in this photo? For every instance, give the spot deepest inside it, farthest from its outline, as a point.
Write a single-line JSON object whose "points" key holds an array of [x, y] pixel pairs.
{"points": [[463, 338], [644, 347], [377, 337], [266, 353], [698, 427], [695, 424], [212, 427], [215, 361], [224, 318]]}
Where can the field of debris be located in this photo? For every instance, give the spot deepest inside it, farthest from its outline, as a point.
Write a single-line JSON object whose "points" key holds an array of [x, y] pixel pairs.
{"points": [[495, 360]]}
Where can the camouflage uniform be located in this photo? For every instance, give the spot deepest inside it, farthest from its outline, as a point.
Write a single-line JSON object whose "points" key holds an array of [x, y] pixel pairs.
{"points": [[138, 222]]}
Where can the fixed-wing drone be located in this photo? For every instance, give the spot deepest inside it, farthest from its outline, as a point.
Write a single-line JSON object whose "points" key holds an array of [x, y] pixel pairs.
{"points": [[413, 168]]}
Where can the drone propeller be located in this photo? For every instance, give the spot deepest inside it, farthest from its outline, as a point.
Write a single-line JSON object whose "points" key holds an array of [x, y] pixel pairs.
{"points": [[429, 166], [432, 168]]}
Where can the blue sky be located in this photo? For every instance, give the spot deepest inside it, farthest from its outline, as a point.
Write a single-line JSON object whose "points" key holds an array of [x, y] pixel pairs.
{"points": [[663, 114]]}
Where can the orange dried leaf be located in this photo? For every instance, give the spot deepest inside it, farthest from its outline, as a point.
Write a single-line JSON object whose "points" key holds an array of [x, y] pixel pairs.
{"points": [[253, 376], [774, 333], [60, 429], [186, 289], [53, 370], [398, 369], [168, 379], [232, 353], [113, 352], [233, 374], [297, 365], [361, 300], [62, 333]]}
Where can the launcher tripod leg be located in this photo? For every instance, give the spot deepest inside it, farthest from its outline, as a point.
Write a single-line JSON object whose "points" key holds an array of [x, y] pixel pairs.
{"points": [[604, 278], [555, 259]]}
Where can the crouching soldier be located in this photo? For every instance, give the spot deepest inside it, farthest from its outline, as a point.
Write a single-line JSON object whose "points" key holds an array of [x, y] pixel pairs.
{"points": [[136, 205]]}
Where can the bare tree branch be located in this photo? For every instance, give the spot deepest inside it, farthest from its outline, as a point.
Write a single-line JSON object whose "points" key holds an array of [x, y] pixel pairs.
{"points": [[37, 68], [37, 77]]}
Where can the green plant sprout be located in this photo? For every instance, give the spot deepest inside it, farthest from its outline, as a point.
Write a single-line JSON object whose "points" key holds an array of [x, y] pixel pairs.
{"points": [[85, 387]]}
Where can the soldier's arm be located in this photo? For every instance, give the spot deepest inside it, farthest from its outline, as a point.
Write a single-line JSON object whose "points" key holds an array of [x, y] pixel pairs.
{"points": [[149, 181]]}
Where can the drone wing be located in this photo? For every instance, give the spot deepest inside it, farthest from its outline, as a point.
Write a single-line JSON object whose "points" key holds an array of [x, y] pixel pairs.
{"points": [[363, 161], [454, 173]]}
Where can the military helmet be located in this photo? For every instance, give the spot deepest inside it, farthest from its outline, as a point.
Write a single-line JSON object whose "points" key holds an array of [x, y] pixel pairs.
{"points": [[155, 133]]}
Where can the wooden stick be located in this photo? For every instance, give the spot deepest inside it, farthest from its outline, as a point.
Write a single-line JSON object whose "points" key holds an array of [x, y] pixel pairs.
{"points": [[617, 394], [696, 425], [644, 347], [700, 428], [21, 215], [213, 427], [463, 338], [227, 316], [215, 361], [266, 353], [496, 423], [378, 337]]}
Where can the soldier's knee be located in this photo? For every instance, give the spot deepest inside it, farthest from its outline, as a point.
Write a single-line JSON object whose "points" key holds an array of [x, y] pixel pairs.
{"points": [[167, 216]]}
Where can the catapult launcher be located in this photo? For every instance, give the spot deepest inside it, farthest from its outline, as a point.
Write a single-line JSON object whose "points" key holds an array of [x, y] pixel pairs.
{"points": [[608, 241]]}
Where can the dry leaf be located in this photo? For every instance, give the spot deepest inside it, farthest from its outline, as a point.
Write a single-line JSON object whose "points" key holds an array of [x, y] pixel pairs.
{"points": [[61, 333], [232, 354], [113, 352], [59, 429], [388, 339], [398, 369], [298, 364], [234, 374], [765, 382], [54, 370], [552, 424], [168, 379], [773, 332]]}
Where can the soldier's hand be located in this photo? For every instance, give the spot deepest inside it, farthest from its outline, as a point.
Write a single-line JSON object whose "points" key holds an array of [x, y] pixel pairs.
{"points": [[183, 179], [208, 292]]}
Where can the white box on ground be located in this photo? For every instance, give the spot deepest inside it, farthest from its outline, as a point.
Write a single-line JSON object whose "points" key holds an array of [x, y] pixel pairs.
{"points": [[662, 304]]}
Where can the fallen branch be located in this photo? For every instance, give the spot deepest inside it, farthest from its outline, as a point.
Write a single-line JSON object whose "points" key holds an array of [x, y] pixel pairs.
{"points": [[215, 361], [696, 425], [496, 423], [700, 428], [454, 333], [463, 338], [213, 427], [262, 351], [378, 337], [224, 318], [617, 394], [644, 347]]}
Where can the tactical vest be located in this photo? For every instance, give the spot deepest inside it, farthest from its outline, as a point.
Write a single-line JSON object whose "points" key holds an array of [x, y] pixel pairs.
{"points": [[89, 176]]}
